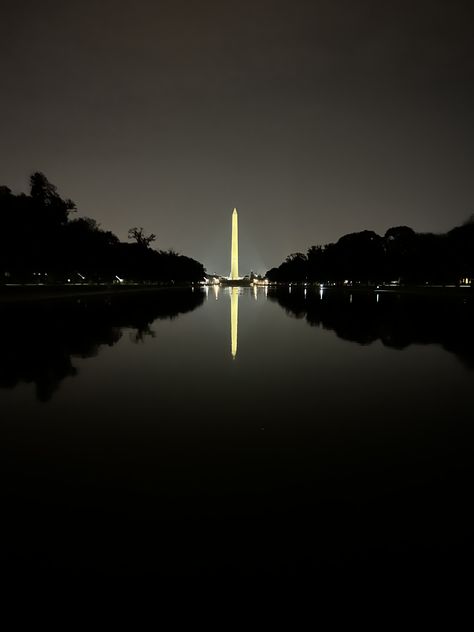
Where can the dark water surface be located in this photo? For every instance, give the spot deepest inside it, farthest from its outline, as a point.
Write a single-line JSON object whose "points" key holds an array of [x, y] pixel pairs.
{"points": [[238, 434]]}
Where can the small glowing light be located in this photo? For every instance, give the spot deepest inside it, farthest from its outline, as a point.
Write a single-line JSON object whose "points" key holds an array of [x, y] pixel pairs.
{"points": [[305, 292], [378, 298], [350, 298], [321, 292], [118, 279]]}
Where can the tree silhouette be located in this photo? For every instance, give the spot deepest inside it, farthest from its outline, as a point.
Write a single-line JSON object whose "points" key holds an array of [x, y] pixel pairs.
{"points": [[39, 242], [139, 235], [45, 196], [402, 255]]}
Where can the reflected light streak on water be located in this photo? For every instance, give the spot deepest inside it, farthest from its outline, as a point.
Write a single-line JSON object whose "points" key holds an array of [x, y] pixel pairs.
{"points": [[234, 320]]}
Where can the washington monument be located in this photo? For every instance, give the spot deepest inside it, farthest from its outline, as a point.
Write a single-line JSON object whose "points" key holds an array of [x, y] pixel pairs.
{"points": [[234, 259]]}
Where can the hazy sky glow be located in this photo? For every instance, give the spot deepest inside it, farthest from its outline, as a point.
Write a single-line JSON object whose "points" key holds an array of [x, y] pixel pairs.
{"points": [[314, 118]]}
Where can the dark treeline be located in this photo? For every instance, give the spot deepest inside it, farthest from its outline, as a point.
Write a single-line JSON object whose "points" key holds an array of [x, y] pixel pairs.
{"points": [[39, 344], [401, 255], [41, 240], [396, 320]]}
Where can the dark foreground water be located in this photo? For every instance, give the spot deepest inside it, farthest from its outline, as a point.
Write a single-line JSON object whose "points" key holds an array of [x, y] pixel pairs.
{"points": [[238, 435]]}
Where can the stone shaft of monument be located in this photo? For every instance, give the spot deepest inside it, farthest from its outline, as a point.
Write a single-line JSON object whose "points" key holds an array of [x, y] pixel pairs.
{"points": [[234, 262]]}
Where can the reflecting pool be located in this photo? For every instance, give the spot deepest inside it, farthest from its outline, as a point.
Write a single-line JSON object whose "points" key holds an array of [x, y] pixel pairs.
{"points": [[238, 433]]}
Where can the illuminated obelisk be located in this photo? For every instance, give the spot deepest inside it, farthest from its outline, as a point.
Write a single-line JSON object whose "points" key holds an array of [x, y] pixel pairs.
{"points": [[234, 261]]}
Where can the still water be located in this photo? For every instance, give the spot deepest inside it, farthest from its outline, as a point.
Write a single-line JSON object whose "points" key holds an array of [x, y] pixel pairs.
{"points": [[237, 433]]}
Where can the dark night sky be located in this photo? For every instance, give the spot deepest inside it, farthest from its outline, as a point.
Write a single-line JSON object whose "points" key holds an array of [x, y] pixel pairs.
{"points": [[314, 118]]}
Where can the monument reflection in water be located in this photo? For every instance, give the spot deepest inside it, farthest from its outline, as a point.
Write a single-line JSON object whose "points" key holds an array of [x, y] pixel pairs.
{"points": [[234, 320]]}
